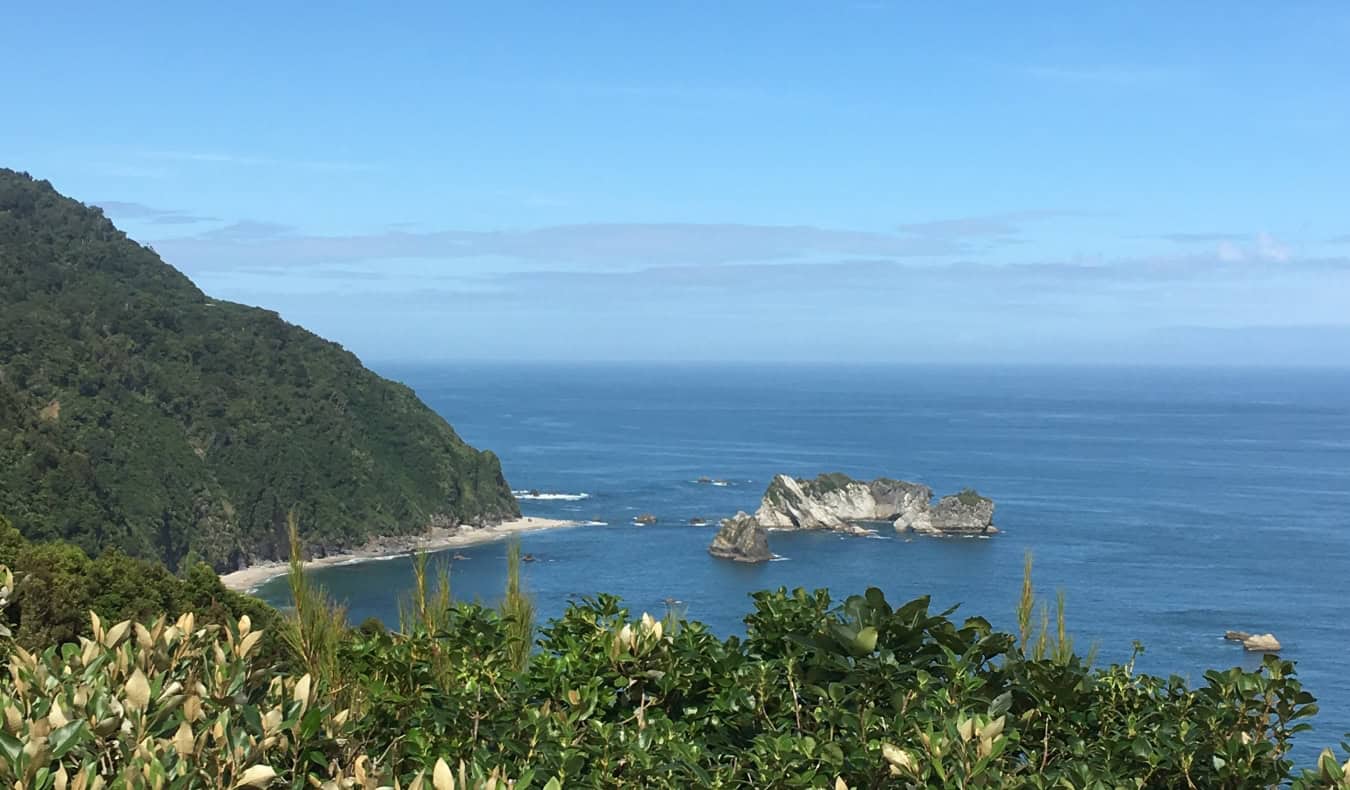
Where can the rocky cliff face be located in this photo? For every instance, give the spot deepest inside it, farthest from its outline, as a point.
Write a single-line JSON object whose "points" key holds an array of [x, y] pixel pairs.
{"points": [[742, 539], [837, 502], [966, 513]]}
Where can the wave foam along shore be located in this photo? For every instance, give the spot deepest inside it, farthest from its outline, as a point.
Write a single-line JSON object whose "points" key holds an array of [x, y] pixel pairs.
{"points": [[252, 577], [543, 495]]}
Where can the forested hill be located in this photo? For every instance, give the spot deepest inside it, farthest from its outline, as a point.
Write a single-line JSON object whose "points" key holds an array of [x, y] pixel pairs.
{"points": [[136, 412]]}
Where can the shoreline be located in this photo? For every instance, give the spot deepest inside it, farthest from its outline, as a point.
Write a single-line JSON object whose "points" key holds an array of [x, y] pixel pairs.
{"points": [[436, 539]]}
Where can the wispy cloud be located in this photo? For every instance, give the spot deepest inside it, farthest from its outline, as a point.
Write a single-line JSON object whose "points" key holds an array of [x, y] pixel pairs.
{"points": [[1202, 238], [597, 245], [247, 231], [988, 226], [1236, 247], [247, 160], [159, 216], [1263, 248]]}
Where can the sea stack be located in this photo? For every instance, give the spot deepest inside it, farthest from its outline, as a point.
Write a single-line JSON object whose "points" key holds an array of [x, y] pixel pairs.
{"points": [[839, 503], [741, 539]]}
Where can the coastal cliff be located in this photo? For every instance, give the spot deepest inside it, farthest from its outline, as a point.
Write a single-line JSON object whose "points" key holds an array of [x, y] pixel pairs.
{"points": [[139, 414], [839, 503]]}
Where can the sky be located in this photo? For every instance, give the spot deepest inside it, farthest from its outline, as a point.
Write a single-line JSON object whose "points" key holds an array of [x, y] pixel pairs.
{"points": [[845, 181]]}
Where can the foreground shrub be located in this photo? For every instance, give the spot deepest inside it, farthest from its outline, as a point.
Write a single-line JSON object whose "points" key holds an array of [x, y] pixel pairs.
{"points": [[858, 694]]}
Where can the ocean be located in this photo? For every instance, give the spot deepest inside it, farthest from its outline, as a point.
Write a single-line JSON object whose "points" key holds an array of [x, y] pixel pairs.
{"points": [[1169, 505]]}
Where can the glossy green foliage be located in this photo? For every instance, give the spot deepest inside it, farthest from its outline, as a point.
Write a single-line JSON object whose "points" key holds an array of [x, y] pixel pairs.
{"points": [[817, 693], [137, 413], [57, 586], [181, 705]]}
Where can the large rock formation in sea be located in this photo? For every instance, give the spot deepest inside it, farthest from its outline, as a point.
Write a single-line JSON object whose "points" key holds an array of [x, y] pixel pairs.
{"points": [[839, 503], [742, 539]]}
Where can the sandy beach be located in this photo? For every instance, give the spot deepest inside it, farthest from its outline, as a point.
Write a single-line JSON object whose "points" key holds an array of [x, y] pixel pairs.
{"points": [[382, 548]]}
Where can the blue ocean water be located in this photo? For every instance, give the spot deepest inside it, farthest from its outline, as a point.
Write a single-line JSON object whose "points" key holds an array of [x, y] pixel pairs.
{"points": [[1169, 505]]}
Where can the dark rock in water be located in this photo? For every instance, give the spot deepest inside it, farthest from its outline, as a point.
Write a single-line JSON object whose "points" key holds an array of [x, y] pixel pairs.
{"points": [[1236, 636], [698, 522], [742, 539], [527, 558], [966, 513], [645, 519], [705, 480]]}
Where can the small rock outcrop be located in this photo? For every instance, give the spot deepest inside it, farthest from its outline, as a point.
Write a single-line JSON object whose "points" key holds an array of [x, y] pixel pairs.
{"points": [[838, 502], [696, 521], [741, 539], [966, 513], [1254, 643], [646, 519]]}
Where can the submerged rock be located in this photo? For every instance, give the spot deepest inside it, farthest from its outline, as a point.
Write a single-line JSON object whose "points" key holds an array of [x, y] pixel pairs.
{"points": [[742, 539]]}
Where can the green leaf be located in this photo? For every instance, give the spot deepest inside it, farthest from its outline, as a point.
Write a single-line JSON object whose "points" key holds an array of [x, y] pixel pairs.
{"points": [[866, 640], [11, 747], [64, 738], [1000, 705]]}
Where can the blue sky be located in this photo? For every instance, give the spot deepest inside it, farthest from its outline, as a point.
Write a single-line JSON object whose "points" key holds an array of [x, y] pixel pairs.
{"points": [[859, 181]]}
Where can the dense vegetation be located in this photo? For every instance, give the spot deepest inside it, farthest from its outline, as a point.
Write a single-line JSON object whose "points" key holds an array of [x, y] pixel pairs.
{"points": [[858, 694], [58, 585], [137, 413]]}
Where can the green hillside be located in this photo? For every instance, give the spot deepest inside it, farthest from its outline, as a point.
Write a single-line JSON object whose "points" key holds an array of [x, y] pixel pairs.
{"points": [[138, 413]]}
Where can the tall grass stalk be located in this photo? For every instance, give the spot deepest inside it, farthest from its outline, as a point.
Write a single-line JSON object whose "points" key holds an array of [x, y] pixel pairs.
{"points": [[517, 611], [424, 610], [317, 623], [1039, 641]]}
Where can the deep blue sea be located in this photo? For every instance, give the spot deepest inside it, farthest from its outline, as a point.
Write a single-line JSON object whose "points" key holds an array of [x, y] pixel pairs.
{"points": [[1169, 505]]}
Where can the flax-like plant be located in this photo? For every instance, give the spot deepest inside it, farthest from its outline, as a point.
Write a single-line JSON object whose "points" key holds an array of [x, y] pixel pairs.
{"points": [[517, 610], [675, 616], [1026, 607], [317, 623], [422, 609], [1040, 642]]}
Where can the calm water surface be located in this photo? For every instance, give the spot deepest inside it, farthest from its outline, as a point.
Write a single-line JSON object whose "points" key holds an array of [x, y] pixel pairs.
{"points": [[1169, 505]]}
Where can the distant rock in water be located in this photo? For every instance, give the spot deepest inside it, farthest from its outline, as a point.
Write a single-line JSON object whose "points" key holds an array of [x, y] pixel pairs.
{"points": [[742, 539], [837, 502], [1261, 643], [1254, 643], [646, 519], [966, 513], [697, 521]]}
